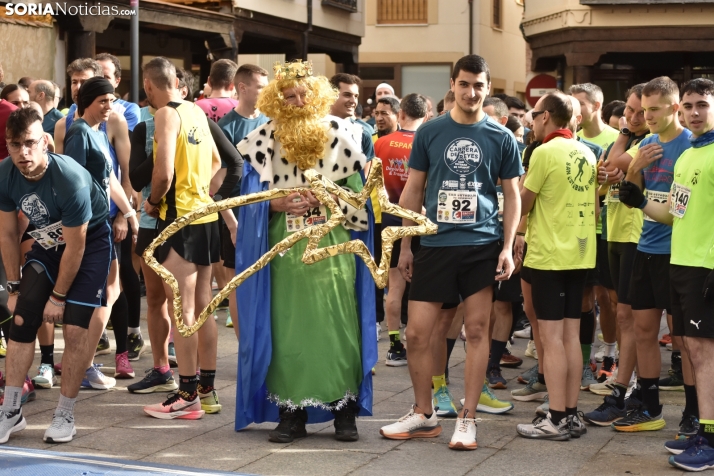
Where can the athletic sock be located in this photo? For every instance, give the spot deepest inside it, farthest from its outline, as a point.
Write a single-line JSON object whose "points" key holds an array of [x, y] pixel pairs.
{"points": [[66, 404], [134, 330], [586, 349], [557, 416], [618, 393], [587, 324], [541, 378], [163, 369], [610, 349], [13, 398], [438, 381], [706, 429], [187, 387], [497, 349], [691, 402], [571, 411], [206, 380], [47, 354], [650, 394], [394, 342]]}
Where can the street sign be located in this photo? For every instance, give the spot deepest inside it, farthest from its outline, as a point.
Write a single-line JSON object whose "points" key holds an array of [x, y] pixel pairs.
{"points": [[539, 86]]}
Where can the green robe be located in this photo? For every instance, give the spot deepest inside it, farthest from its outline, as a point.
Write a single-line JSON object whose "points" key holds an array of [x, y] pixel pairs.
{"points": [[316, 358]]}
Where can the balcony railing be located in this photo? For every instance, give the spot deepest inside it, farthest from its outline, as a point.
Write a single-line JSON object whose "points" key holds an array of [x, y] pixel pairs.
{"points": [[402, 12]]}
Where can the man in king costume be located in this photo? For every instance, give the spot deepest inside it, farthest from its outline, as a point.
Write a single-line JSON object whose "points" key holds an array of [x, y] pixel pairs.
{"points": [[307, 332]]}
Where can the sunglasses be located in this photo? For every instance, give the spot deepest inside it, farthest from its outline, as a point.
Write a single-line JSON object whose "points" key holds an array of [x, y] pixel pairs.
{"points": [[535, 114]]}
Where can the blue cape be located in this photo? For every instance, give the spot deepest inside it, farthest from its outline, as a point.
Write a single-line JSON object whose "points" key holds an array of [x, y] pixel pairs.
{"points": [[255, 350]]}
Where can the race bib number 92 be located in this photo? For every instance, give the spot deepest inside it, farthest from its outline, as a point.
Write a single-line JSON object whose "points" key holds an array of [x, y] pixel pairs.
{"points": [[458, 207]]}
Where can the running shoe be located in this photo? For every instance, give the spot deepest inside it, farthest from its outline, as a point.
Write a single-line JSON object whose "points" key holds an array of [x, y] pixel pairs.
{"points": [[396, 358], [607, 369], [524, 333], [640, 420], [588, 378], [123, 368], [443, 402], [526, 376], [28, 392], [173, 363], [543, 408], [135, 344], [229, 320], [698, 457], [495, 379], [11, 422], [62, 429], [533, 391], [600, 353], [688, 426], [666, 339], [680, 445], [606, 414], [576, 427], [379, 332], [543, 428], [176, 407], [103, 346], [209, 402], [489, 403], [464, 437], [531, 350], [222, 305], [510, 361], [3, 350], [412, 425], [604, 388], [154, 381], [58, 369], [675, 381], [45, 377], [94, 378]]}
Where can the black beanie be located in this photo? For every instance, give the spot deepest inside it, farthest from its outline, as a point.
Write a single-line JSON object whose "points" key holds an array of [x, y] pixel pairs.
{"points": [[91, 90]]}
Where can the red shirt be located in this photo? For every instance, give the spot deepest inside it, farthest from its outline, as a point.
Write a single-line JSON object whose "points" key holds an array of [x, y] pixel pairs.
{"points": [[5, 109], [394, 150]]}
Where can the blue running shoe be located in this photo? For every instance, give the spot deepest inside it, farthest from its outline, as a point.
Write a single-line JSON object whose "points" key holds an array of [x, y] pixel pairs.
{"points": [[444, 403], [605, 414], [679, 445], [95, 379], [698, 457]]}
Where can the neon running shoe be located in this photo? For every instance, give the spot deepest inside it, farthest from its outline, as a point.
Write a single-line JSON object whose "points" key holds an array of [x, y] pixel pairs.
{"points": [[443, 402], [489, 403], [176, 407], [209, 402], [640, 420]]}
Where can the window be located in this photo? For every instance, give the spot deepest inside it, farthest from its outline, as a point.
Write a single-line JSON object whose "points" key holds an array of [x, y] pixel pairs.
{"points": [[497, 13], [402, 12]]}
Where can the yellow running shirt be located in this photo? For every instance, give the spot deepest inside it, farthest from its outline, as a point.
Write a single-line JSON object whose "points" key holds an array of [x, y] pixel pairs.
{"points": [[624, 224], [604, 139], [561, 225], [192, 166]]}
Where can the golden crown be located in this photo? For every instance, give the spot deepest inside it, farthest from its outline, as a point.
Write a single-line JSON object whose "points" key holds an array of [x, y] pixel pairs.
{"points": [[295, 70]]}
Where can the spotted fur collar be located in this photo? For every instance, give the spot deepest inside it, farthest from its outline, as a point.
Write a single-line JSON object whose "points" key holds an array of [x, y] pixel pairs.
{"points": [[343, 154]]}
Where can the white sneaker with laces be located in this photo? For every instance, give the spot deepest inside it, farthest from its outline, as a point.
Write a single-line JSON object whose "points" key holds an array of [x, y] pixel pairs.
{"points": [[543, 428], [11, 422], [531, 350], [62, 429], [524, 333], [464, 437], [413, 425], [45, 377]]}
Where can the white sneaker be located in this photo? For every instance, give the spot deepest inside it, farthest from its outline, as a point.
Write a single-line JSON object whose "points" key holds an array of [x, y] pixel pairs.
{"points": [[412, 425], [379, 332], [62, 429], [524, 333], [464, 437], [94, 378], [543, 428], [11, 422], [45, 377], [531, 350]]}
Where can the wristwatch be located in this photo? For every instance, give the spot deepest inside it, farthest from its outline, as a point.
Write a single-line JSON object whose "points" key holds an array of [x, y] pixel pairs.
{"points": [[625, 131], [13, 287]]}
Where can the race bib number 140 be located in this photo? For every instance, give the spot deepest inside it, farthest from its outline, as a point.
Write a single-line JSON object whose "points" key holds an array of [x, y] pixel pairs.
{"points": [[679, 200], [458, 207]]}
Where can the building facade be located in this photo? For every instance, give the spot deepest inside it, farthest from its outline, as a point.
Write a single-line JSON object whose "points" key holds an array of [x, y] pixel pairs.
{"points": [[413, 44], [620, 43]]}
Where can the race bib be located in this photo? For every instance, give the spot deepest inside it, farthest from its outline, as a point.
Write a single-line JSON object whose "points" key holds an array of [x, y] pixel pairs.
{"points": [[680, 200], [654, 196], [500, 206], [49, 236], [313, 216], [613, 195], [456, 206]]}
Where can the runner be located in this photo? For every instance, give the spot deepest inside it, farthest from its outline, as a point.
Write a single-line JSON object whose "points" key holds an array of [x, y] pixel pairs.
{"points": [[458, 158], [63, 279], [559, 197], [688, 209]]}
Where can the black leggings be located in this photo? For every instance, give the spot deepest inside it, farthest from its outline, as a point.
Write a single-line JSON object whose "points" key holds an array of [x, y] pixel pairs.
{"points": [[5, 314], [126, 311]]}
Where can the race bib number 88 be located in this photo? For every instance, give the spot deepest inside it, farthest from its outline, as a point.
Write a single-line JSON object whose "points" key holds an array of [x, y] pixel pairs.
{"points": [[456, 207]]}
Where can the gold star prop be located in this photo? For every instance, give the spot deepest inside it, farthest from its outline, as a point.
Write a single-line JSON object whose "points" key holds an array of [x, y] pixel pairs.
{"points": [[323, 189]]}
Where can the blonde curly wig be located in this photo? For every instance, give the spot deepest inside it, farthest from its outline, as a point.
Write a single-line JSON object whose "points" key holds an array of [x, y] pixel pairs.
{"points": [[301, 133]]}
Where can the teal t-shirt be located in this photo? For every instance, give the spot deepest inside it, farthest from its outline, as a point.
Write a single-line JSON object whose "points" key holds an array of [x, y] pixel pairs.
{"points": [[463, 163], [236, 128], [90, 149]]}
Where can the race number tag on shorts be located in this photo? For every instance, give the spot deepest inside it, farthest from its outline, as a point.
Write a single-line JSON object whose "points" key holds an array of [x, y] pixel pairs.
{"points": [[49, 236], [456, 206], [313, 216], [659, 197], [500, 206], [680, 200], [613, 195]]}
